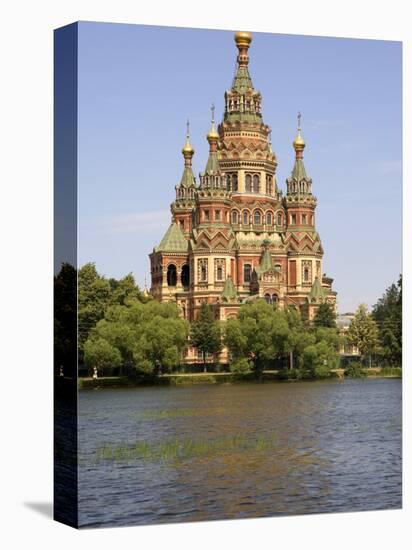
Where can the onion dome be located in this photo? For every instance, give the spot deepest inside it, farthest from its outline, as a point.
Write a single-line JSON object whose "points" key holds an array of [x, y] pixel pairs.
{"points": [[188, 149], [212, 135], [243, 38], [299, 142]]}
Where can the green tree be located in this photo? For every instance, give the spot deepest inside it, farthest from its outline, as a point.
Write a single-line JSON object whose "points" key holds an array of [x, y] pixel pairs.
{"points": [[298, 338], [259, 335], [388, 315], [325, 316], [125, 289], [101, 354], [65, 320], [94, 295], [363, 332], [205, 333], [150, 337]]}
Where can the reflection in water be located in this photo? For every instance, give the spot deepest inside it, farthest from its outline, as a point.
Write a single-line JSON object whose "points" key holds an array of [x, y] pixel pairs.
{"points": [[331, 447]]}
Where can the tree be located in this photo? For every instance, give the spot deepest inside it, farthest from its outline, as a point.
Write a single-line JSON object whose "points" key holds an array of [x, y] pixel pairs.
{"points": [[65, 320], [298, 338], [387, 313], [150, 337], [93, 299], [320, 356], [363, 332], [325, 316], [124, 289], [259, 334], [205, 333], [101, 354]]}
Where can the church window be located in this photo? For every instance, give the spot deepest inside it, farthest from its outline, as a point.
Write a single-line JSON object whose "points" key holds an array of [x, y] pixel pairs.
{"points": [[257, 217], [245, 217], [280, 219], [235, 218], [248, 185], [269, 218], [171, 275], [269, 185], [275, 298], [219, 269], [307, 271], [185, 276], [217, 215], [304, 219], [267, 298], [206, 215], [247, 271], [255, 184], [278, 267], [202, 270], [293, 219]]}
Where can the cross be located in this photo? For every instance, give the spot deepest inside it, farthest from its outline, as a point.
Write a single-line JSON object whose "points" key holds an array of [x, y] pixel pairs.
{"points": [[187, 129], [299, 117], [213, 112]]}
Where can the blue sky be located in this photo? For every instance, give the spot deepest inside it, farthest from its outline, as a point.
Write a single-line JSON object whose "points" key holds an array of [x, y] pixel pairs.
{"points": [[139, 84]]}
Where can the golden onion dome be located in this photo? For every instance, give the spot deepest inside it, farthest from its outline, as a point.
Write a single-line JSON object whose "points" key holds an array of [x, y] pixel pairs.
{"points": [[188, 149], [243, 38], [299, 142]]}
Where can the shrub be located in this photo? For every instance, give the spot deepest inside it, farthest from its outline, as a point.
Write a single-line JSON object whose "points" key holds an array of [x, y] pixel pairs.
{"points": [[354, 370], [240, 366]]}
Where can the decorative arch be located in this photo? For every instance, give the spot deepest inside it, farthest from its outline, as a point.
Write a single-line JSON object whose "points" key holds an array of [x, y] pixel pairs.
{"points": [[257, 217], [245, 217]]}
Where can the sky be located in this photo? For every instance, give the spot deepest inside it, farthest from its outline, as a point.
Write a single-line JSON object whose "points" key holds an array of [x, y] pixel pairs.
{"points": [[137, 85]]}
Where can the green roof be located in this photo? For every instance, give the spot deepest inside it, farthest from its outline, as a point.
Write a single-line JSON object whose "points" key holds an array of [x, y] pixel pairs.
{"points": [[229, 291], [188, 178], [242, 81], [266, 262], [317, 293], [299, 172], [173, 241], [212, 164]]}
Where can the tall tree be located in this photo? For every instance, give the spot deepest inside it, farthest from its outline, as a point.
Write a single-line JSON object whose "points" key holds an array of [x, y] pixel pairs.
{"points": [[363, 332], [387, 313], [325, 316], [259, 334], [65, 320], [93, 297], [205, 333]]}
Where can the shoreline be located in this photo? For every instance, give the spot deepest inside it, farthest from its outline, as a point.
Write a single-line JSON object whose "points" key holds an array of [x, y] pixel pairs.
{"points": [[213, 378]]}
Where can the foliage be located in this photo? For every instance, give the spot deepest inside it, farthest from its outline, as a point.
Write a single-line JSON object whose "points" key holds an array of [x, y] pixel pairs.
{"points": [[65, 319], [354, 369], [391, 371], [259, 334], [101, 354], [150, 337], [240, 366], [96, 294], [205, 333], [363, 331], [325, 316], [388, 315]]}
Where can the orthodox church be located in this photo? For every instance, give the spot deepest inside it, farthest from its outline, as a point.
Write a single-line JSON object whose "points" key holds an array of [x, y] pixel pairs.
{"points": [[234, 236]]}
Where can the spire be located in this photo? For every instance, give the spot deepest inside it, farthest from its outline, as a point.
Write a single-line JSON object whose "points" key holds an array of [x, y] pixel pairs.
{"points": [[242, 80], [266, 262], [299, 171], [317, 293], [229, 293], [243, 102], [212, 166], [188, 178]]}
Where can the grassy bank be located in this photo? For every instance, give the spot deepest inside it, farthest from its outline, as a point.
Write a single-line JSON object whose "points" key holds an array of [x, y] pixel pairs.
{"points": [[217, 378]]}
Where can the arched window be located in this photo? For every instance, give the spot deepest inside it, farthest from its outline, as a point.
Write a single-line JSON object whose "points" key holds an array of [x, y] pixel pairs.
{"points": [[245, 217], [247, 271], [280, 219], [275, 298], [171, 275], [234, 182], [306, 274], [248, 183], [278, 267], [235, 218], [257, 217], [202, 270], [267, 298], [255, 184], [269, 219], [185, 276]]}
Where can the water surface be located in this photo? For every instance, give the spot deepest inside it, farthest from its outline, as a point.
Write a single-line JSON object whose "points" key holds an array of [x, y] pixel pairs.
{"points": [[169, 454]]}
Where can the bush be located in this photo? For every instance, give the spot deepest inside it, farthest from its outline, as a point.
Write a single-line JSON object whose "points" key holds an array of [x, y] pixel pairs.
{"points": [[391, 371], [240, 366], [354, 370]]}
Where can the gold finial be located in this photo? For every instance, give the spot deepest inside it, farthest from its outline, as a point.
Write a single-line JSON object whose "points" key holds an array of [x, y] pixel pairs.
{"points": [[188, 149], [299, 143], [213, 135], [243, 38]]}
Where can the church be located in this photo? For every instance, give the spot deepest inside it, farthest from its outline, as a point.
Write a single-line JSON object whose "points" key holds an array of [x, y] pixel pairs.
{"points": [[234, 236]]}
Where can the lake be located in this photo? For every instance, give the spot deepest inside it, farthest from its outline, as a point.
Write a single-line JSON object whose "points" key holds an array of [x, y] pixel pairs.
{"points": [[169, 454]]}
